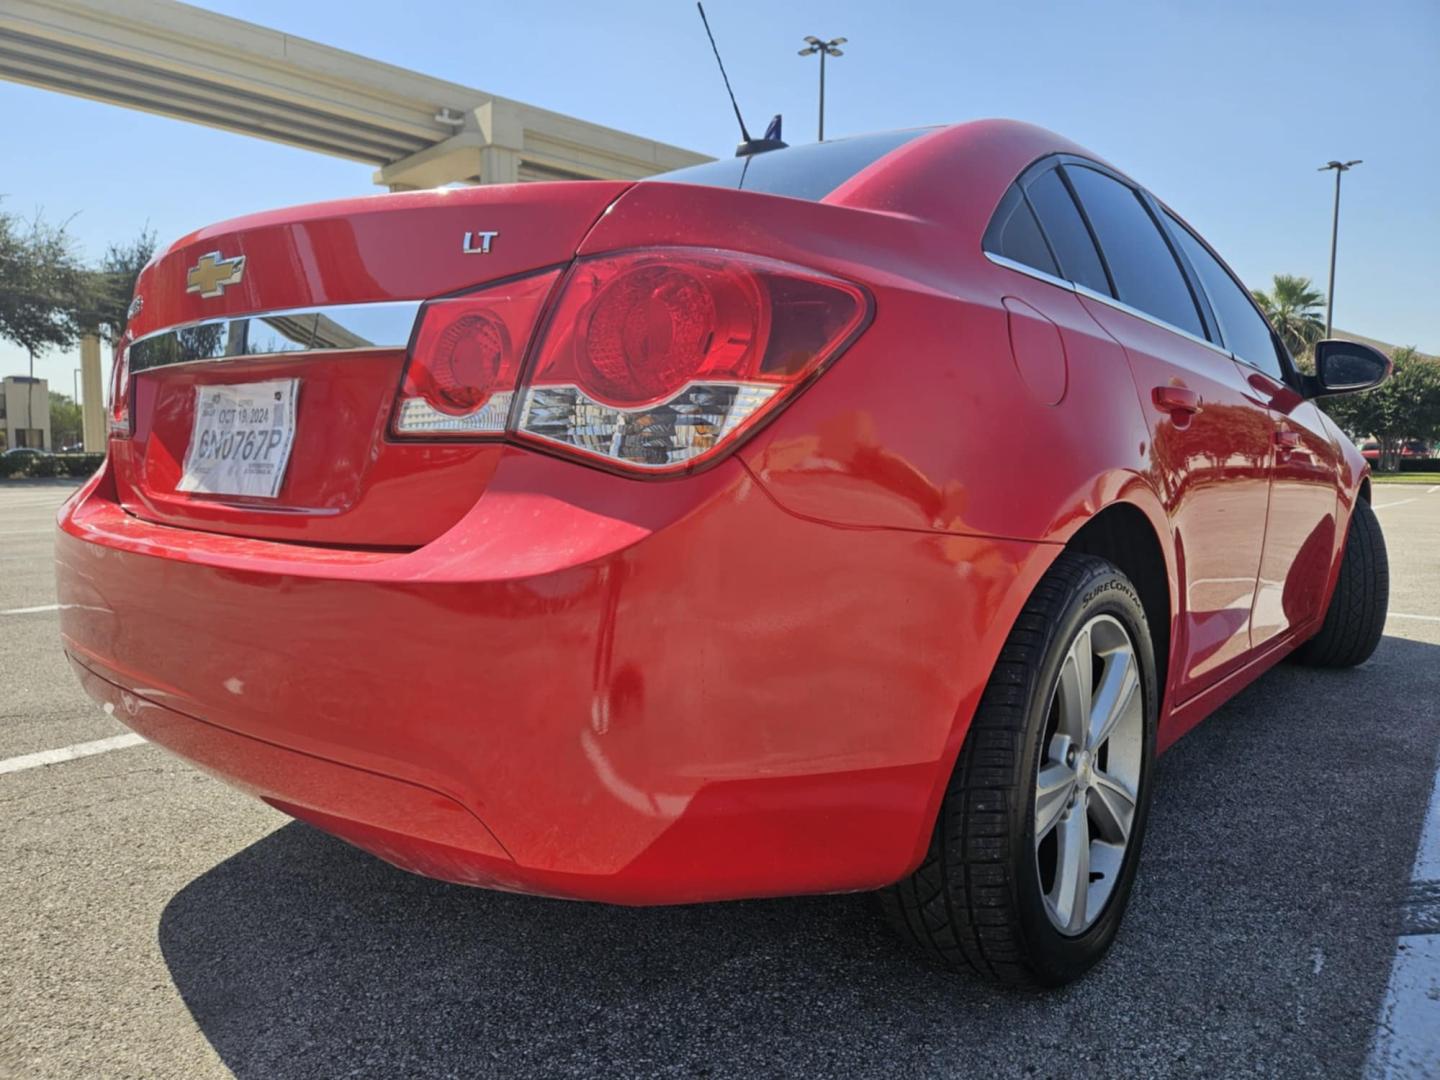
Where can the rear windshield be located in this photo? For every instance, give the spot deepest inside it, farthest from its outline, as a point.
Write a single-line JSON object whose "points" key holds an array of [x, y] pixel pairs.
{"points": [[810, 172]]}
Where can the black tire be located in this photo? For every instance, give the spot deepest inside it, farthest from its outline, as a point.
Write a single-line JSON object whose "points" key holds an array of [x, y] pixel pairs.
{"points": [[1355, 618], [976, 902]]}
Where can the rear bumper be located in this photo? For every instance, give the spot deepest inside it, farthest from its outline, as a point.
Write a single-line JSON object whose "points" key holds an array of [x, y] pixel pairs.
{"points": [[633, 692], [428, 832]]}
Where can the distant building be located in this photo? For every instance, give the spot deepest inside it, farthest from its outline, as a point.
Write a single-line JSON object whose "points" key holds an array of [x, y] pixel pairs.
{"points": [[19, 426]]}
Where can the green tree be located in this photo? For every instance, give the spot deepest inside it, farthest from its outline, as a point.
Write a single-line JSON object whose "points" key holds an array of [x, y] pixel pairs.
{"points": [[43, 286], [1406, 407], [1293, 308], [66, 425], [112, 285]]}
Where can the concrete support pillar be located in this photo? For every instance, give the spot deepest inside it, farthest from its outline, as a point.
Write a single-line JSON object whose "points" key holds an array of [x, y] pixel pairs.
{"points": [[488, 148], [92, 395], [499, 165]]}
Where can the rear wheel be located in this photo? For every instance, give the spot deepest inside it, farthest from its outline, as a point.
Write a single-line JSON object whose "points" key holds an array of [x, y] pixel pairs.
{"points": [[1034, 852], [1355, 618]]}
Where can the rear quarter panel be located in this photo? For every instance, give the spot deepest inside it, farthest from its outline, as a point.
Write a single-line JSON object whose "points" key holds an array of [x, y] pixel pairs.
{"points": [[930, 420]]}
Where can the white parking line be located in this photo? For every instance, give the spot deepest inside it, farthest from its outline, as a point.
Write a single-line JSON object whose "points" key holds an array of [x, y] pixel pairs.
{"points": [[1423, 618], [30, 610], [1432, 490], [69, 753], [1398, 502], [1407, 1033]]}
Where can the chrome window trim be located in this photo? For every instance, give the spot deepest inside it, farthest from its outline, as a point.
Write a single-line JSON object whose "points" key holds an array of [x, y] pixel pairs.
{"points": [[1030, 271], [1120, 305], [1109, 301], [385, 324]]}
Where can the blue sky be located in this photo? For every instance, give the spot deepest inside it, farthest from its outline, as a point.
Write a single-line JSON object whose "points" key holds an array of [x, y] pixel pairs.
{"points": [[1224, 109]]}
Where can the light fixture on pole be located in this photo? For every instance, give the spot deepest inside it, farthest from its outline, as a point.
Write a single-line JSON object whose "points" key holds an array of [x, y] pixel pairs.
{"points": [[1339, 167], [824, 48]]}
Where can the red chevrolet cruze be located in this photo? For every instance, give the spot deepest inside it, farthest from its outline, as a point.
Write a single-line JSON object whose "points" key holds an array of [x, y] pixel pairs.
{"points": [[865, 515]]}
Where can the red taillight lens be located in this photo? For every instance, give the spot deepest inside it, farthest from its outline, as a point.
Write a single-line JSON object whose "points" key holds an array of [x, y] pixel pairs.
{"points": [[646, 328], [118, 422], [654, 360], [465, 359]]}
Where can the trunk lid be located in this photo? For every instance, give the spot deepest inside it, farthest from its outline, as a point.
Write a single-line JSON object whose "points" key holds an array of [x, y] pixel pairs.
{"points": [[327, 295]]}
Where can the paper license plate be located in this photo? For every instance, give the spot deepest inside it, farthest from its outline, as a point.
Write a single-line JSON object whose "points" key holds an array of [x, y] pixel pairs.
{"points": [[242, 438]]}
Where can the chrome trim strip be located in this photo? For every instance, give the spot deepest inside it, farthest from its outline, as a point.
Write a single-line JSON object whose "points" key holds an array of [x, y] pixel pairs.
{"points": [[1030, 271], [1109, 301], [1120, 305], [336, 327]]}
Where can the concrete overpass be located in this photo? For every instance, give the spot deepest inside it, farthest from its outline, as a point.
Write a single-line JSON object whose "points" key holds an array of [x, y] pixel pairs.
{"points": [[181, 61]]}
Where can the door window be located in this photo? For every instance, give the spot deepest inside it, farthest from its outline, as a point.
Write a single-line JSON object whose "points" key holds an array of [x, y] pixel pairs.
{"points": [[1246, 332], [1141, 264], [1065, 229], [1014, 234]]}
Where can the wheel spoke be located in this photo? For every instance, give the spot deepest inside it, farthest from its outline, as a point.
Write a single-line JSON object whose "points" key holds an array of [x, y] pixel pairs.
{"points": [[1072, 878], [1053, 788], [1076, 692], [1113, 807], [1118, 694]]}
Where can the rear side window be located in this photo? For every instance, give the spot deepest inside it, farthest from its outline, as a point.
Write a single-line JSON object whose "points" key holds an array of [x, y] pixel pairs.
{"points": [[1246, 332], [1141, 263], [809, 172], [1066, 231], [1014, 233]]}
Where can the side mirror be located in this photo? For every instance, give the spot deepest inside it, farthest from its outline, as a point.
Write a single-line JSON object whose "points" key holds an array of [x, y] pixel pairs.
{"points": [[1345, 367]]}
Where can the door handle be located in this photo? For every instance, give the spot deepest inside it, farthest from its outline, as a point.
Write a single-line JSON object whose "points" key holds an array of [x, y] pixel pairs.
{"points": [[1287, 440], [1177, 400]]}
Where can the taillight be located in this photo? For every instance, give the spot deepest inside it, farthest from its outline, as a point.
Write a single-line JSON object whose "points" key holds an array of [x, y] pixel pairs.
{"points": [[650, 360], [118, 421], [656, 359], [465, 360]]}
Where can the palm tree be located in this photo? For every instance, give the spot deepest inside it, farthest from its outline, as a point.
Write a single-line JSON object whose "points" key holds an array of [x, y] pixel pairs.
{"points": [[1293, 307]]}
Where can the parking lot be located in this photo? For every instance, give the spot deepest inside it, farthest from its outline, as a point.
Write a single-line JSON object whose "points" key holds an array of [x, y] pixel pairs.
{"points": [[158, 924]]}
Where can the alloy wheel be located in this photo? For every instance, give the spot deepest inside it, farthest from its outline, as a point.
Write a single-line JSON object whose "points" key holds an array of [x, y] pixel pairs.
{"points": [[1088, 779]]}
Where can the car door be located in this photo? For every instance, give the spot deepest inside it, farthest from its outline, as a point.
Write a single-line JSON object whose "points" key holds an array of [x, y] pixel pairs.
{"points": [[1301, 519], [1210, 440]]}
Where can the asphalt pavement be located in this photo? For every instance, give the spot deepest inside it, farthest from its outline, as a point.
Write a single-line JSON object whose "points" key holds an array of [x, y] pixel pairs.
{"points": [[155, 923]]}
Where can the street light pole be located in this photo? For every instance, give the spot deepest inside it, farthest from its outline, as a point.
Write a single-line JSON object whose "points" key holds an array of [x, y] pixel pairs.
{"points": [[1339, 167], [821, 136], [824, 48]]}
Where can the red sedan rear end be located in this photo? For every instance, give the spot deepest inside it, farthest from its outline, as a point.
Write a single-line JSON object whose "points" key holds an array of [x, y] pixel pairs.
{"points": [[589, 658]]}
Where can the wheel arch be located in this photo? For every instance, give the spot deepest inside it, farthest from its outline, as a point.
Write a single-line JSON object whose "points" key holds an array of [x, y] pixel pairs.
{"points": [[1116, 516], [1123, 534]]}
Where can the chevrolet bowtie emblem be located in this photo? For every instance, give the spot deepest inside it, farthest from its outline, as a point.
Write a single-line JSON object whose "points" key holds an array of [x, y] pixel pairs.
{"points": [[211, 274]]}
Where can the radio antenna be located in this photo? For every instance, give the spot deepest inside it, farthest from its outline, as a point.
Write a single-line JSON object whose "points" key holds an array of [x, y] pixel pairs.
{"points": [[743, 133], [714, 48], [771, 139]]}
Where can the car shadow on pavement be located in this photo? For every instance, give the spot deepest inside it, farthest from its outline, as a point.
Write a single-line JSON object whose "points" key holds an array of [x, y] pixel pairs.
{"points": [[1259, 939]]}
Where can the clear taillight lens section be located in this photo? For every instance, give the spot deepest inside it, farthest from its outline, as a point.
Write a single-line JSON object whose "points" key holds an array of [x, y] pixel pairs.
{"points": [[653, 360], [118, 420], [465, 360]]}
